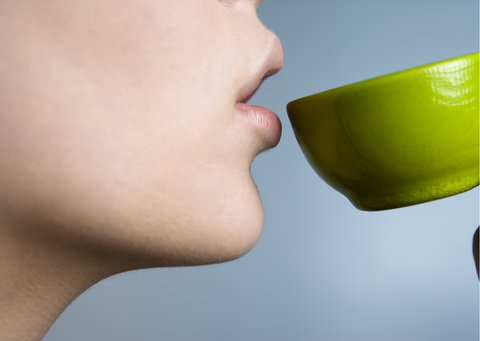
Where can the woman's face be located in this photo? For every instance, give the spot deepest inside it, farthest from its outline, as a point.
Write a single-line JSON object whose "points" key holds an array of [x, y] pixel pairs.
{"points": [[122, 124]]}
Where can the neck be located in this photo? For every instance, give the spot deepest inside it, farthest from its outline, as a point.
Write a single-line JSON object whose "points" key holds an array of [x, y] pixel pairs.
{"points": [[39, 279]]}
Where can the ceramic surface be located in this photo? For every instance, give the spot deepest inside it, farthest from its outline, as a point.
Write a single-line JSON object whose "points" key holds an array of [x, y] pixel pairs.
{"points": [[396, 140]]}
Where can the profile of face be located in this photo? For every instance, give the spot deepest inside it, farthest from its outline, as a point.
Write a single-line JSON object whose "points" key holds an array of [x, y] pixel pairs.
{"points": [[124, 128]]}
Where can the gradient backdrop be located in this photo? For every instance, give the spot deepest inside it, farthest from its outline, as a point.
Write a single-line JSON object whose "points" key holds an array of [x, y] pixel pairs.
{"points": [[322, 270]]}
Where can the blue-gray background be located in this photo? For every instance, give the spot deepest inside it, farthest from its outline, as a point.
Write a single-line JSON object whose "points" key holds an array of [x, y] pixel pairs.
{"points": [[322, 270]]}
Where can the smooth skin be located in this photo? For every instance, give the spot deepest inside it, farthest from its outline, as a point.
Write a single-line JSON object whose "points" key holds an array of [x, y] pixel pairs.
{"points": [[122, 143]]}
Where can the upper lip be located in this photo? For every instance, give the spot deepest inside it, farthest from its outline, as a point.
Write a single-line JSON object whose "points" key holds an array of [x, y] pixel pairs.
{"points": [[271, 66]]}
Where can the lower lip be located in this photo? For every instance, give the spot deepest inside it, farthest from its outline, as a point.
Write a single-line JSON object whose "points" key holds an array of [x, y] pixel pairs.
{"points": [[265, 121]]}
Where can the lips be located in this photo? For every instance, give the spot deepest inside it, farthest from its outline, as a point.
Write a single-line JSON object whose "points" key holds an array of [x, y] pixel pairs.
{"points": [[264, 121]]}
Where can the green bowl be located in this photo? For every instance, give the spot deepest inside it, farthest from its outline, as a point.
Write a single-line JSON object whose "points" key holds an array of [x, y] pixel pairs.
{"points": [[396, 140]]}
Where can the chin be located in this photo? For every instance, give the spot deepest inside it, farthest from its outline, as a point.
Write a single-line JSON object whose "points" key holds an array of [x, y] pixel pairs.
{"points": [[211, 227], [220, 233]]}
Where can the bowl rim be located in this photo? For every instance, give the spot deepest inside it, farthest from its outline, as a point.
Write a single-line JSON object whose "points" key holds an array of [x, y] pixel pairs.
{"points": [[390, 76]]}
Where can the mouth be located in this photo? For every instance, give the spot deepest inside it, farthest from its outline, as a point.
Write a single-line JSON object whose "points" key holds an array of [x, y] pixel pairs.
{"points": [[264, 122]]}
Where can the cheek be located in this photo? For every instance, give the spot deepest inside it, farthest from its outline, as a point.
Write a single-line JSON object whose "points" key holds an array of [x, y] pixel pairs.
{"points": [[138, 151], [129, 179]]}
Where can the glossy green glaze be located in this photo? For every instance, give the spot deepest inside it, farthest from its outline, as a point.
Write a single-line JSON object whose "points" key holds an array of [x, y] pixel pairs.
{"points": [[396, 140]]}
